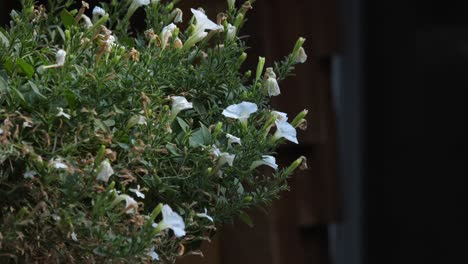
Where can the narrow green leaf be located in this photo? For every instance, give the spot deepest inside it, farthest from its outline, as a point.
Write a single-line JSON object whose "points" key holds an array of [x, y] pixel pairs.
{"points": [[36, 89], [246, 218], [3, 85]]}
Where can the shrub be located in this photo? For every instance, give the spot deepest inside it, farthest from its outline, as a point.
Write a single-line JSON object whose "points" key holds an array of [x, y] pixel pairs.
{"points": [[123, 146]]}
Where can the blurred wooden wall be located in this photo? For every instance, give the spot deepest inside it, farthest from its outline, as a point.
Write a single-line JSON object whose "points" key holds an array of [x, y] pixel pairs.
{"points": [[295, 228]]}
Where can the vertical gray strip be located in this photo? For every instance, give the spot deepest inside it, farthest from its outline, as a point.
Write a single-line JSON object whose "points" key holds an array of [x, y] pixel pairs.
{"points": [[348, 238]]}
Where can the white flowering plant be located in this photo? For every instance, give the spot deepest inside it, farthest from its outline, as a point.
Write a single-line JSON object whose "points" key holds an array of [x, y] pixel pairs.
{"points": [[120, 146]]}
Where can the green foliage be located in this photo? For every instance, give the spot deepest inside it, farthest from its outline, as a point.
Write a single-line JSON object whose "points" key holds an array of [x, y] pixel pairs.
{"points": [[111, 102]]}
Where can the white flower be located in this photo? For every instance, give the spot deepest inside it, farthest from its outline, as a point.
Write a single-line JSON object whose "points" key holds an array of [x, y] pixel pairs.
{"points": [[233, 139], [280, 115], [152, 253], [139, 3], [1, 131], [131, 205], [240, 111], [167, 33], [26, 124], [171, 220], [223, 157], [74, 237], [135, 5], [179, 103], [87, 21], [178, 14], [98, 11], [56, 217], [202, 24], [110, 40], [266, 160], [29, 174], [58, 164], [285, 130], [271, 83], [231, 33], [205, 215], [137, 192], [61, 113], [105, 171], [301, 56], [60, 57]]}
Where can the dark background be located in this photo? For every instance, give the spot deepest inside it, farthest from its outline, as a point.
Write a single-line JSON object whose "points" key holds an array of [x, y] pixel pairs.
{"points": [[416, 68], [385, 84]]}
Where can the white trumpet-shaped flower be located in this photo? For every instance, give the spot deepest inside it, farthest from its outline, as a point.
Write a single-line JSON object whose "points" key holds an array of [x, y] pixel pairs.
{"points": [[202, 24], [179, 103], [98, 12], [271, 83], [223, 157], [152, 253], [87, 21], [105, 171], [131, 205], [74, 237], [266, 160], [285, 130], [233, 139], [301, 56], [231, 33], [240, 111], [171, 220], [57, 163], [135, 5], [166, 34], [178, 14], [62, 113], [138, 192], [281, 116], [29, 174], [60, 57], [205, 215]]}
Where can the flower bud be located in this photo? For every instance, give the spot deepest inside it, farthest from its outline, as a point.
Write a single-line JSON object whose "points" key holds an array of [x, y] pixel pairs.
{"points": [[294, 165], [299, 118], [178, 43], [231, 4], [177, 14], [260, 65]]}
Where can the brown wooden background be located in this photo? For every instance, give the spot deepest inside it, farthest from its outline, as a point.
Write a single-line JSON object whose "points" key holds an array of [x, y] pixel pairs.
{"points": [[295, 228]]}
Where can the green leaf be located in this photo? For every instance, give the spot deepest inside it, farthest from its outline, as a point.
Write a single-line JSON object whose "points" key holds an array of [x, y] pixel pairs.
{"points": [[109, 122], [4, 40], [25, 67], [4, 87], [196, 139], [183, 125], [200, 137], [246, 218], [206, 134], [20, 95], [67, 18], [35, 89], [173, 149]]}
